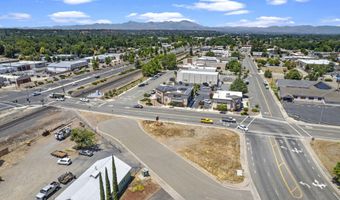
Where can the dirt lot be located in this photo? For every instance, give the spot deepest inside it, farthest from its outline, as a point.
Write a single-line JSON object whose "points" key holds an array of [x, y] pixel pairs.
{"points": [[29, 166], [140, 190], [215, 150], [328, 153]]}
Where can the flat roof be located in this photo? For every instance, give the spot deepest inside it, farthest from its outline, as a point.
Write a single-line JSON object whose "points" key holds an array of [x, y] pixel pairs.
{"points": [[67, 63], [224, 94], [315, 62], [198, 72], [86, 186]]}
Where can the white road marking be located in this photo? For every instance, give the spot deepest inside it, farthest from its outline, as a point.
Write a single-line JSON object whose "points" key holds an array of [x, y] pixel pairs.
{"points": [[317, 184], [304, 184]]}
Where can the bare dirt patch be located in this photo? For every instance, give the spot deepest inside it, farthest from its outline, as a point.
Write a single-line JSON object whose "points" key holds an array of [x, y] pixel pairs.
{"points": [[94, 119], [140, 190], [328, 153], [215, 150]]}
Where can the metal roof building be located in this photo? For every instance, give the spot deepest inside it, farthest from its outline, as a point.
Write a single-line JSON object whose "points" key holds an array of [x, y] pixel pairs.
{"points": [[66, 66], [86, 186]]}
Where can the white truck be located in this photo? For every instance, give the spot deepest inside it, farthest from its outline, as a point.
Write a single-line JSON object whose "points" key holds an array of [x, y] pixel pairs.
{"points": [[47, 191], [63, 133]]}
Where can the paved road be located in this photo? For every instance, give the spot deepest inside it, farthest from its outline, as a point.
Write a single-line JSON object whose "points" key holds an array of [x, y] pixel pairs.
{"points": [[259, 93], [181, 176]]}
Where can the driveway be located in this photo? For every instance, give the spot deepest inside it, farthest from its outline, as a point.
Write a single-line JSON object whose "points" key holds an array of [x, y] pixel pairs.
{"points": [[186, 180]]}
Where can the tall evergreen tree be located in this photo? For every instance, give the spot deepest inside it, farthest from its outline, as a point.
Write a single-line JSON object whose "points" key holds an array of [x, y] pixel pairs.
{"points": [[107, 185], [114, 180], [101, 187]]}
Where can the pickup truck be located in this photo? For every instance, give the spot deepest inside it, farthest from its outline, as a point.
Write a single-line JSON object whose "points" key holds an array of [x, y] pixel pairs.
{"points": [[47, 191]]}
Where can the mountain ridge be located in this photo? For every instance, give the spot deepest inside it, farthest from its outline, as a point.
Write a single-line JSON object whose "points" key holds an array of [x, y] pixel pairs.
{"points": [[188, 25]]}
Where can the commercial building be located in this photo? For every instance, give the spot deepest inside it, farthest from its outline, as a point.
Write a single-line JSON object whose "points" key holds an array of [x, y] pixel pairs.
{"points": [[232, 99], [86, 186], [207, 61], [176, 95], [308, 91], [303, 63], [197, 77], [65, 66], [9, 79], [196, 67], [114, 57]]}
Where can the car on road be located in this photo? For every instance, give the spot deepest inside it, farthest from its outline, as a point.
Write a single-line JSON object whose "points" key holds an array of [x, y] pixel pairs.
{"points": [[207, 121], [66, 178], [64, 161], [74, 84], [84, 100], [141, 85], [47, 191], [223, 112], [97, 76], [228, 120], [36, 93], [242, 127], [138, 106], [88, 153]]}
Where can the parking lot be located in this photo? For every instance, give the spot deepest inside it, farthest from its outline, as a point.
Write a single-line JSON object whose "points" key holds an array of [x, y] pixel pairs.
{"points": [[30, 168], [313, 113]]}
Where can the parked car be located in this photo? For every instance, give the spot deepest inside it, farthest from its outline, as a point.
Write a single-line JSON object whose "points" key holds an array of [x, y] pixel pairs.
{"points": [[66, 178], [84, 100], [207, 121], [47, 191], [242, 127], [64, 161], [138, 106], [59, 154], [36, 93], [88, 153], [228, 120], [60, 99]]}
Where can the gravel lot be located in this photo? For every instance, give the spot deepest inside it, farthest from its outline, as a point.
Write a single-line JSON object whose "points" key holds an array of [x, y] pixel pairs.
{"points": [[29, 168]]}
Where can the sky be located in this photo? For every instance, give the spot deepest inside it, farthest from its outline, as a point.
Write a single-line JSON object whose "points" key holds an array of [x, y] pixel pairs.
{"points": [[252, 13]]}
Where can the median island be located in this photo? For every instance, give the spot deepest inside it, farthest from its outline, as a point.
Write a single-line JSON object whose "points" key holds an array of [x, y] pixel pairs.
{"points": [[215, 150]]}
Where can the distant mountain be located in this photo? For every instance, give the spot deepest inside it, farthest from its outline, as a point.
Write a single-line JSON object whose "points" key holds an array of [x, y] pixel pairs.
{"points": [[188, 25]]}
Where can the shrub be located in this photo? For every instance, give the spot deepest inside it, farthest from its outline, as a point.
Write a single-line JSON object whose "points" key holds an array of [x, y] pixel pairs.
{"points": [[328, 80]]}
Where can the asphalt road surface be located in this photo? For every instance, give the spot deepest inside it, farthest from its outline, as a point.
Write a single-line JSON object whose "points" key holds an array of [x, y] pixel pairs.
{"points": [[259, 94], [186, 180]]}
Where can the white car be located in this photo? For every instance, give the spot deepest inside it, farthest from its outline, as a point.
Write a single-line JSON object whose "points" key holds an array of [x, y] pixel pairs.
{"points": [[242, 127], [84, 100], [64, 161]]}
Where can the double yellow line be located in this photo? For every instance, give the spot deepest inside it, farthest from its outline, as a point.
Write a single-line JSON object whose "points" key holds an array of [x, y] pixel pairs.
{"points": [[295, 191]]}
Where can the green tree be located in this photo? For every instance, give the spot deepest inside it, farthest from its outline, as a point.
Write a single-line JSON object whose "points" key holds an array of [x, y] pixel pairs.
{"points": [[83, 138], [151, 68], [239, 85], [293, 74], [268, 74], [274, 61], [236, 54], [114, 180], [138, 64], [336, 172], [101, 187], [107, 186], [234, 66], [210, 53], [168, 61], [289, 64], [108, 60], [222, 107], [95, 63]]}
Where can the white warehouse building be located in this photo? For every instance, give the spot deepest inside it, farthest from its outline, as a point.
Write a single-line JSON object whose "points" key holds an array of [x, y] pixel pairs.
{"points": [[65, 66], [197, 77]]}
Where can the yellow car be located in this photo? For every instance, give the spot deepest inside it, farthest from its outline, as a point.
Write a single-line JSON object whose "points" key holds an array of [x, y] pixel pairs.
{"points": [[207, 121]]}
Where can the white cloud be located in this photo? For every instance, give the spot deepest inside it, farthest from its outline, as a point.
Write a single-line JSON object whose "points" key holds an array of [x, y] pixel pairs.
{"points": [[301, 1], [75, 2], [263, 21], [16, 16], [277, 2], [331, 21], [214, 5], [237, 12], [76, 17], [161, 17], [132, 14]]}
